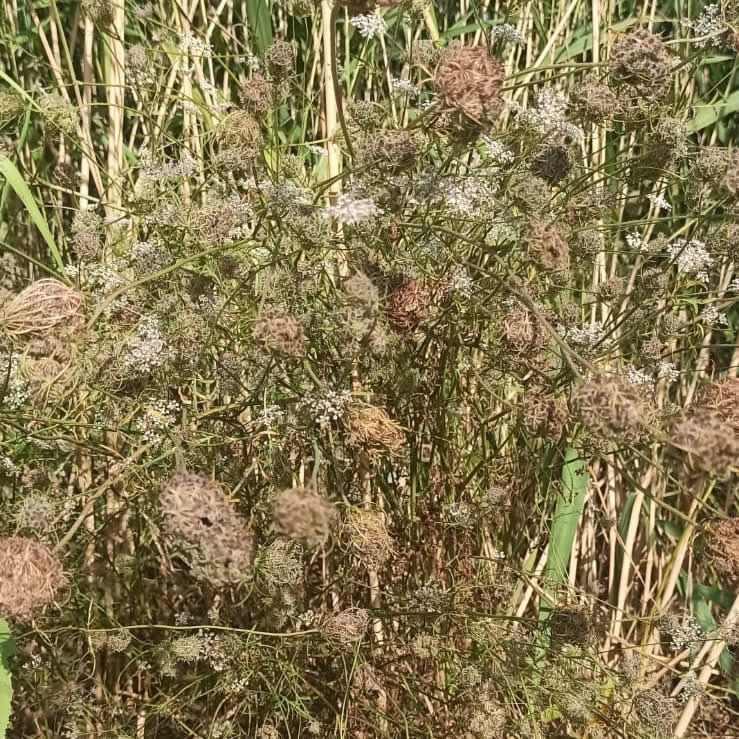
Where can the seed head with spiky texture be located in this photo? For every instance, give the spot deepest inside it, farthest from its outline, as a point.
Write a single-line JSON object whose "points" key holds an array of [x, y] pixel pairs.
{"points": [[547, 246], [346, 627], [257, 95], [302, 515], [367, 534], [639, 60], [196, 511], [407, 305], [42, 307], [280, 332], [723, 546], [469, 82], [611, 407], [371, 426], [32, 576]]}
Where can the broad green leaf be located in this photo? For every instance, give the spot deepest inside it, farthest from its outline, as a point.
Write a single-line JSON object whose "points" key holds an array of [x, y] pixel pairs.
{"points": [[707, 114], [566, 515], [259, 14], [7, 650], [16, 181]]}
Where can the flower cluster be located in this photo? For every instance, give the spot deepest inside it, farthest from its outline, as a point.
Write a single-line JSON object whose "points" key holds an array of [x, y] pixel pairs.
{"points": [[368, 25]]}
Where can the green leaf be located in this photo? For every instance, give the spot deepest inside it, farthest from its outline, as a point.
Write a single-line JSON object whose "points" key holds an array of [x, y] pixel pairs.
{"points": [[16, 181], [566, 516], [7, 650], [706, 115], [259, 14]]}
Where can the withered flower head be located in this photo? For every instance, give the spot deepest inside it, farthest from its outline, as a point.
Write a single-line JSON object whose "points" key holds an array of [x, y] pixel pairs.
{"points": [[470, 82], [640, 61], [302, 515], [42, 307], [280, 332], [32, 576]]}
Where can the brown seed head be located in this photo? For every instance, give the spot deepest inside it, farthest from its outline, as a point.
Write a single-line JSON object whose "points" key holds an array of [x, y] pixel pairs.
{"points": [[369, 425], [552, 164], [196, 511], [522, 333], [240, 137], [722, 544], [396, 149], [302, 515], [611, 407], [32, 576], [407, 305], [280, 58], [593, 101], [640, 61], [711, 442], [470, 82], [544, 416], [547, 246], [346, 627], [280, 332], [257, 94], [43, 306], [360, 287], [722, 397], [368, 536]]}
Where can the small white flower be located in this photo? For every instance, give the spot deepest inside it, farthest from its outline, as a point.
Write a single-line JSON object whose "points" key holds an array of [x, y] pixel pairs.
{"points": [[497, 152], [639, 377], [691, 257], [710, 314], [734, 285], [404, 87], [317, 150], [507, 32], [668, 371], [659, 202], [350, 211], [635, 241], [193, 46], [709, 27], [368, 25]]}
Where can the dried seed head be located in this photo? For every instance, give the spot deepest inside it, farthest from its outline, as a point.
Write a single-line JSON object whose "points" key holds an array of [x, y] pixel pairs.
{"points": [[657, 711], [32, 576], [257, 94], [730, 180], [11, 106], [279, 58], [280, 332], [470, 82], [544, 416], [369, 538], [346, 627], [99, 11], [572, 624], [722, 397], [522, 333], [547, 246], [365, 115], [425, 53], [711, 163], [60, 113], [363, 290], [42, 307], [611, 288], [407, 305], [722, 544], [552, 163], [280, 563], [711, 442], [611, 407], [220, 542], [594, 101], [371, 426], [394, 149], [302, 515], [240, 138], [640, 60]]}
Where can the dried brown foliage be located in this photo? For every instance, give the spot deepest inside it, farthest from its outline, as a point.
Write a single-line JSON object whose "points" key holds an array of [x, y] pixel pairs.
{"points": [[302, 515]]}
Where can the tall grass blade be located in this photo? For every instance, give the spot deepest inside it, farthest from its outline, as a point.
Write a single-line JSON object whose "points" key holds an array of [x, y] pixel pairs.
{"points": [[7, 650], [260, 23], [16, 181]]}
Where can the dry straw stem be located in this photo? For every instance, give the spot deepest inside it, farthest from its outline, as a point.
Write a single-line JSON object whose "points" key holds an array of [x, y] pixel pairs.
{"points": [[41, 307]]}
